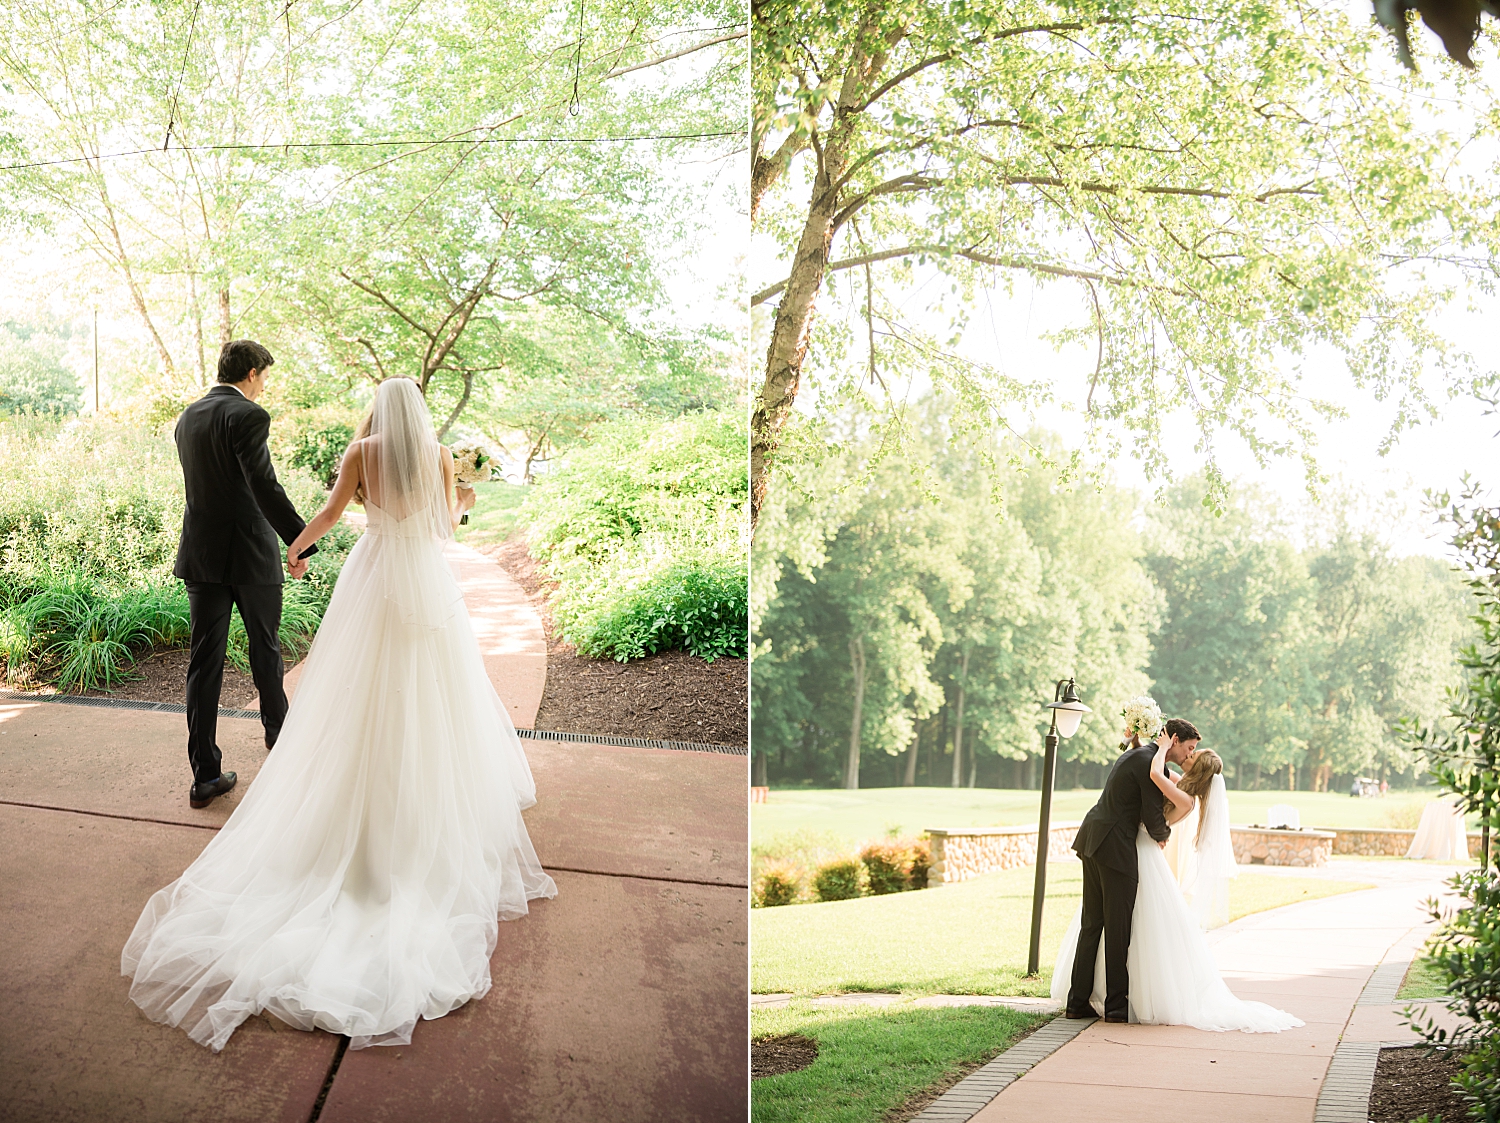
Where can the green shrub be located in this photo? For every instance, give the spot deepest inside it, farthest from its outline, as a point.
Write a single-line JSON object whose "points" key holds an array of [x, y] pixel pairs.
{"points": [[892, 867], [778, 885], [34, 374], [645, 532], [887, 866], [1467, 950], [838, 880], [921, 862], [314, 439], [89, 518], [699, 609]]}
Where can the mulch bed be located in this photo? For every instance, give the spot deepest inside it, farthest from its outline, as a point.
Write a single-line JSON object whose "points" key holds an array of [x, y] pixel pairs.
{"points": [[162, 677], [1411, 1082], [776, 1056], [672, 696]]}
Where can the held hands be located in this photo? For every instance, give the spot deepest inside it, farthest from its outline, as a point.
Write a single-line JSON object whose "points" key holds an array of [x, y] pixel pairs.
{"points": [[296, 567], [466, 498]]}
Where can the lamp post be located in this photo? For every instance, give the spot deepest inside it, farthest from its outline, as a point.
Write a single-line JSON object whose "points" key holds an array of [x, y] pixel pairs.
{"points": [[1067, 713]]}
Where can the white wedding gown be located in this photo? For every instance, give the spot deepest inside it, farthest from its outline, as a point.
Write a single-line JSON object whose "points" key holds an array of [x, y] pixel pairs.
{"points": [[357, 886], [1173, 977]]}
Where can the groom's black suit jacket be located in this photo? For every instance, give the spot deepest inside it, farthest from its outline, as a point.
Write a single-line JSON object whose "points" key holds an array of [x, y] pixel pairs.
{"points": [[235, 507], [1129, 799]]}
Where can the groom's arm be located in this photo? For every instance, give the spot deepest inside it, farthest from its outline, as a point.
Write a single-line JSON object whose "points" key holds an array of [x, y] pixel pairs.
{"points": [[254, 456], [1153, 806]]}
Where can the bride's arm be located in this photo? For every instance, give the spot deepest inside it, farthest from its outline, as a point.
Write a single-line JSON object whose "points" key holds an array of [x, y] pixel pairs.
{"points": [[321, 523], [458, 499], [1181, 802]]}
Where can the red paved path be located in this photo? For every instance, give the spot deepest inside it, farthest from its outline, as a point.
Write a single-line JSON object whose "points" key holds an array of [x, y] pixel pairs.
{"points": [[623, 999]]}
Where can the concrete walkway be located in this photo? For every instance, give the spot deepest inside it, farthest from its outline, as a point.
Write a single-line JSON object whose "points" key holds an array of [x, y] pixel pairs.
{"points": [[1313, 959], [623, 999]]}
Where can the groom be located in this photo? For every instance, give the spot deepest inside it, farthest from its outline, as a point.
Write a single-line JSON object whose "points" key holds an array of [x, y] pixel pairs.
{"points": [[1106, 843], [228, 555]]}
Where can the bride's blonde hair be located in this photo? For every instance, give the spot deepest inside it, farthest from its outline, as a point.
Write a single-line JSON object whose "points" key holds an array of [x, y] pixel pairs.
{"points": [[1198, 777]]}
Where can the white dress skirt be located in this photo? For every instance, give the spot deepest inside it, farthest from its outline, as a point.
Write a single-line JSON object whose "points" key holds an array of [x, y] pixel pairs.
{"points": [[357, 886], [1173, 977]]}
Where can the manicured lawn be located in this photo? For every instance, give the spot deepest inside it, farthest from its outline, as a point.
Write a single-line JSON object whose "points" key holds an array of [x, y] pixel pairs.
{"points": [[969, 938], [493, 518], [854, 817], [872, 1060], [1425, 979]]}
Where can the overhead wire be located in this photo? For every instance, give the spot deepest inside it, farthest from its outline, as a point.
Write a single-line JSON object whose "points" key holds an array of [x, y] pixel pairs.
{"points": [[374, 144]]}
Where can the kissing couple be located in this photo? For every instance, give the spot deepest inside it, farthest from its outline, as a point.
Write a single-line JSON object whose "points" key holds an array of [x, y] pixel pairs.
{"points": [[1139, 930]]}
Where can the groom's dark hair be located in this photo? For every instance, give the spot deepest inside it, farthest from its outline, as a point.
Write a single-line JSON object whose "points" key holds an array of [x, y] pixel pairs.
{"points": [[239, 357], [1183, 730]]}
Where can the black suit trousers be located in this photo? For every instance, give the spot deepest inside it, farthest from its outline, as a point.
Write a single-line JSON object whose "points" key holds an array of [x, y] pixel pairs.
{"points": [[1108, 902], [209, 606]]}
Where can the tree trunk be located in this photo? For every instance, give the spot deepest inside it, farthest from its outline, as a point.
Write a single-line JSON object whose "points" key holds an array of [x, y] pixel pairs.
{"points": [[759, 779], [973, 767], [794, 310], [1031, 784], [197, 330], [857, 664], [958, 723], [138, 299], [226, 325], [1291, 776], [910, 779]]}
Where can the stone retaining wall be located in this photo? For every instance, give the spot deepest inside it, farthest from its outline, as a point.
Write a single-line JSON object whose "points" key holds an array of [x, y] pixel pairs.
{"points": [[1383, 842], [958, 855], [1259, 846]]}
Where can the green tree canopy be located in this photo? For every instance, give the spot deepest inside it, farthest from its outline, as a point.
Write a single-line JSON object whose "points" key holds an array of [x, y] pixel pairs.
{"points": [[1222, 187]]}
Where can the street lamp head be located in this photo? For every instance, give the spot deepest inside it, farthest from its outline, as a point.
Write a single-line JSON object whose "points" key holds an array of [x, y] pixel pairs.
{"points": [[1067, 710]]}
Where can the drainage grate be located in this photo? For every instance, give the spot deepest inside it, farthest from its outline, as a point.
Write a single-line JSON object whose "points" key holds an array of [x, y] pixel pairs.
{"points": [[634, 742], [529, 734], [121, 704]]}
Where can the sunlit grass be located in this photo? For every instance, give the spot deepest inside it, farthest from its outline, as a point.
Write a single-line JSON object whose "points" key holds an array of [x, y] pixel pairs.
{"points": [[871, 1060], [969, 938]]}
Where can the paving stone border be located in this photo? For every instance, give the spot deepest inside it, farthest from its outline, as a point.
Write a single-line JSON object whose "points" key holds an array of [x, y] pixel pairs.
{"points": [[1345, 1095], [965, 1099], [528, 734]]}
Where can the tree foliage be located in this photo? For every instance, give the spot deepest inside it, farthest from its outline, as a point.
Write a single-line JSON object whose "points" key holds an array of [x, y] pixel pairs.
{"points": [[1222, 187], [898, 612], [382, 189]]}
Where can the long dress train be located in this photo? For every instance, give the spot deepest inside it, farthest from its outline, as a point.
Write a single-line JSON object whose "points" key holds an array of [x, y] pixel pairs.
{"points": [[357, 886], [1173, 977]]}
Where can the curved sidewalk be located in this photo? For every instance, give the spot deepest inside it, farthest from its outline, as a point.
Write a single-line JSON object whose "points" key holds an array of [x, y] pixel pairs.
{"points": [[623, 999], [1314, 959]]}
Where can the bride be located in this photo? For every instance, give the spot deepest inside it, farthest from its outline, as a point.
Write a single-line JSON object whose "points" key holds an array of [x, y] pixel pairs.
{"points": [[356, 887], [1173, 977]]}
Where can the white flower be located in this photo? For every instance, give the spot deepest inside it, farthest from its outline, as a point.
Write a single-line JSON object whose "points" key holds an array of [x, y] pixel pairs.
{"points": [[471, 463], [1143, 717]]}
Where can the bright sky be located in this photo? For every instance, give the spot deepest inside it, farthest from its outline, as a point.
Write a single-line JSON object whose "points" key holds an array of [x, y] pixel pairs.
{"points": [[1433, 456], [1008, 331]]}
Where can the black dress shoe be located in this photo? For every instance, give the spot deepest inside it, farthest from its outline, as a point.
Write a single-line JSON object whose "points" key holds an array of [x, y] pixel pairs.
{"points": [[1117, 1021], [203, 794], [1076, 1016], [270, 743]]}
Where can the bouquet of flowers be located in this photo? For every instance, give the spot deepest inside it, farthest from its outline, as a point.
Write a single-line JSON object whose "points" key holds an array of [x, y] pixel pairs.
{"points": [[471, 465], [1143, 717]]}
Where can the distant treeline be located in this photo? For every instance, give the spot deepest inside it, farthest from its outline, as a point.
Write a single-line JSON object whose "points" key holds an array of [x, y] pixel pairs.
{"points": [[909, 629]]}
